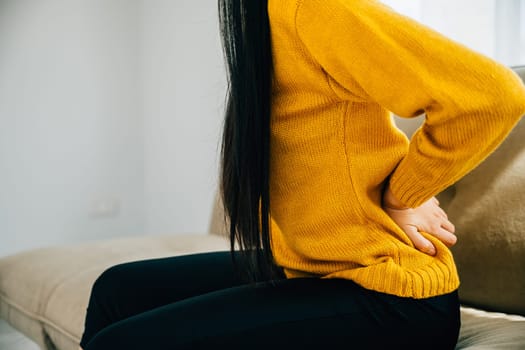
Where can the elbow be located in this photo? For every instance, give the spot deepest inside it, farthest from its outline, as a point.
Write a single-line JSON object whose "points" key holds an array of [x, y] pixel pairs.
{"points": [[515, 103], [510, 99], [501, 98], [518, 105]]}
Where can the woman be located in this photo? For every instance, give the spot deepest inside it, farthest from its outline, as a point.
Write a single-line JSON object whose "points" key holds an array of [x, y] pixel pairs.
{"points": [[342, 242]]}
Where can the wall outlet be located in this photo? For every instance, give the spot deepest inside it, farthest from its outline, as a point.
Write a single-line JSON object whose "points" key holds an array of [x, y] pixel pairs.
{"points": [[107, 207]]}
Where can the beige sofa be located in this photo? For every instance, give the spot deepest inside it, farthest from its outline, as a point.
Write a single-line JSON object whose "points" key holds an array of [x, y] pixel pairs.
{"points": [[44, 292]]}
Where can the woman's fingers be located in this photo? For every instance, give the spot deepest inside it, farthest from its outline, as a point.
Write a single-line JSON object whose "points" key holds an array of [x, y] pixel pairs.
{"points": [[444, 236], [442, 212], [420, 242], [428, 218], [447, 225]]}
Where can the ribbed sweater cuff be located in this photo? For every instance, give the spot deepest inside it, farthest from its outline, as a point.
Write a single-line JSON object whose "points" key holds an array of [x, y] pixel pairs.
{"points": [[409, 189]]}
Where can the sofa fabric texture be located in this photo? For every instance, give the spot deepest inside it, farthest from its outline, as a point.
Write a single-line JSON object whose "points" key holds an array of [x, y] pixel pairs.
{"points": [[44, 293]]}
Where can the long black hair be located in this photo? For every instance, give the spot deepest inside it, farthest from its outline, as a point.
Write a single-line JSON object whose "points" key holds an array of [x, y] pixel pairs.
{"points": [[245, 151]]}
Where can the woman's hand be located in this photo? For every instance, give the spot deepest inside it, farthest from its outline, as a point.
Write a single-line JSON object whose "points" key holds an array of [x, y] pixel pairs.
{"points": [[428, 217]]}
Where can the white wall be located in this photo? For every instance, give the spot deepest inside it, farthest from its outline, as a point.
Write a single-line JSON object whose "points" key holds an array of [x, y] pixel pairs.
{"points": [[111, 117], [449, 17], [509, 20], [71, 126], [411, 8], [183, 91], [521, 39]]}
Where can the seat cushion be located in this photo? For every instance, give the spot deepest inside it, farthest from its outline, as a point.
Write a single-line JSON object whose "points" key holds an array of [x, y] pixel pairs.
{"points": [[44, 292], [490, 330]]}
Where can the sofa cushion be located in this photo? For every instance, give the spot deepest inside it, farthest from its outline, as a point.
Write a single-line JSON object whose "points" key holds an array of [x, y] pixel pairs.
{"points": [[44, 292], [490, 330], [488, 210]]}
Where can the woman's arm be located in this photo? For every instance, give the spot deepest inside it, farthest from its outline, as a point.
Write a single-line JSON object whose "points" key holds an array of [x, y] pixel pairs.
{"points": [[471, 101]]}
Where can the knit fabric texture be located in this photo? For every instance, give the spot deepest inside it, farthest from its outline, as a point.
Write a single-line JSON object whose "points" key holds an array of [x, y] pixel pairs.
{"points": [[341, 68]]}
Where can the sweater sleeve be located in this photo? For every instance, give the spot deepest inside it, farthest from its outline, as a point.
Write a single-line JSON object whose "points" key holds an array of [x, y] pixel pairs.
{"points": [[470, 101]]}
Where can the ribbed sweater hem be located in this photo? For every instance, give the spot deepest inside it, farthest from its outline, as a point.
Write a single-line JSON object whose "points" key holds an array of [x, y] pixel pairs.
{"points": [[425, 282]]}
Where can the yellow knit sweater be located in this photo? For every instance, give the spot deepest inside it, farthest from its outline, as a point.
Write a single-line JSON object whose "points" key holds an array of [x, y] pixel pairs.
{"points": [[341, 68]]}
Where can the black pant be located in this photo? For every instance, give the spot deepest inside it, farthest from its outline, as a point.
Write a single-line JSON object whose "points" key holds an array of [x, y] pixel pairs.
{"points": [[197, 302]]}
